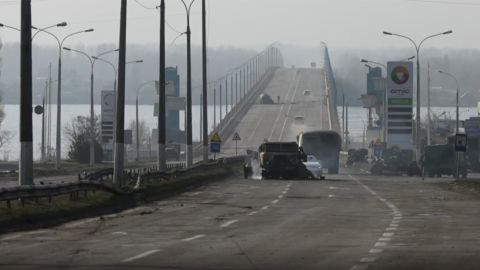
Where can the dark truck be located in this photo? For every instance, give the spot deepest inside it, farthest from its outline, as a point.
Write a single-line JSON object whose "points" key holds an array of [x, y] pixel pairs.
{"points": [[440, 159], [278, 160], [324, 145]]}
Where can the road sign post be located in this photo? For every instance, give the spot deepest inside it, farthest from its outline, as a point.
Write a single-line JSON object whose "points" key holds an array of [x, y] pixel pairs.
{"points": [[215, 145], [236, 138], [460, 147]]}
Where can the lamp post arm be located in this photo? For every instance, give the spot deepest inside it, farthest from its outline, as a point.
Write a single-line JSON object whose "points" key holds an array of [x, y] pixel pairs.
{"points": [[42, 29], [72, 34], [429, 37], [82, 53], [417, 48], [51, 34]]}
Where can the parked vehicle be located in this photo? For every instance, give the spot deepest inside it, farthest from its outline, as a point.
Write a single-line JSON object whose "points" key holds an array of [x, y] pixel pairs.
{"points": [[278, 160], [440, 159], [396, 161], [324, 145], [315, 167]]}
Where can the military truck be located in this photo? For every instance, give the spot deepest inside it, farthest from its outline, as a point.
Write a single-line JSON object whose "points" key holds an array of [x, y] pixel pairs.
{"points": [[440, 159], [278, 160]]}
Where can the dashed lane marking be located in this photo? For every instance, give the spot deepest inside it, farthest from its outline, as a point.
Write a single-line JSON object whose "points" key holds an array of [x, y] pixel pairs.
{"points": [[252, 213], [194, 238], [228, 223], [386, 236], [274, 201], [141, 255]]}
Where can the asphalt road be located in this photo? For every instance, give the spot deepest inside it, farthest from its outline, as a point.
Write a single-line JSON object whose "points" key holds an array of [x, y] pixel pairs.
{"points": [[302, 107], [351, 221]]}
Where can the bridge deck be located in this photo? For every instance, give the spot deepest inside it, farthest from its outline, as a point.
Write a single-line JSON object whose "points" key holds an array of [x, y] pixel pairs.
{"points": [[303, 107]]}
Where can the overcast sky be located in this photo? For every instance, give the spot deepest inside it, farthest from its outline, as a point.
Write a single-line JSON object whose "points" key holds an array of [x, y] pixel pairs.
{"points": [[257, 23]]}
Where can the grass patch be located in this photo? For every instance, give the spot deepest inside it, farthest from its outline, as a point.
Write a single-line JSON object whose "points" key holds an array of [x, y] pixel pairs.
{"points": [[465, 186], [42, 213]]}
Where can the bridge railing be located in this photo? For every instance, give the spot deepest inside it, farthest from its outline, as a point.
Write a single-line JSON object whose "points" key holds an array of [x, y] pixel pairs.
{"points": [[331, 90], [235, 91]]}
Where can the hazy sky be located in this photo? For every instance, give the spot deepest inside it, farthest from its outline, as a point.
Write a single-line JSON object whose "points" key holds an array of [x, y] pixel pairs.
{"points": [[257, 23]]}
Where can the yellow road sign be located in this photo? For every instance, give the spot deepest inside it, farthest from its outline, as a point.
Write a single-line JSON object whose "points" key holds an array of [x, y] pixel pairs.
{"points": [[216, 138]]}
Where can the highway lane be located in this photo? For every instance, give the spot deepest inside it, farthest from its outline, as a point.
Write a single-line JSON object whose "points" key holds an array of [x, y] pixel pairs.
{"points": [[302, 107], [351, 221]]}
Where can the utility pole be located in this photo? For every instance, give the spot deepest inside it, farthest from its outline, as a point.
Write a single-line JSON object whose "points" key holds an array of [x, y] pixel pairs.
{"points": [[43, 125], [428, 105], [161, 95], [205, 99], [214, 108], [137, 134], [226, 95], [220, 99], [120, 101], [231, 93], [347, 141], [343, 113], [25, 177], [236, 89]]}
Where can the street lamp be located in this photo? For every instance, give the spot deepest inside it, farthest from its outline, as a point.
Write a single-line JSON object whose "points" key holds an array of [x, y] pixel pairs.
{"points": [[59, 92], [384, 97], [136, 117], [189, 153], [457, 112], [92, 115], [417, 48]]}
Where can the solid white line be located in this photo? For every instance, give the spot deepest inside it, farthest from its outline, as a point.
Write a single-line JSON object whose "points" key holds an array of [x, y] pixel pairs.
{"points": [[228, 223], [368, 259], [193, 238], [142, 255], [290, 88], [359, 267], [289, 110], [15, 236]]}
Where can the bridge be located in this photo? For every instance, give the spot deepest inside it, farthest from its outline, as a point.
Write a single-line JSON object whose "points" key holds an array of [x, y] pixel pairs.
{"points": [[352, 220]]}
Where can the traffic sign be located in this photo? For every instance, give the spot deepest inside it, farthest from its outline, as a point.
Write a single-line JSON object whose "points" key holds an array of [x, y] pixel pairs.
{"points": [[236, 137], [215, 147], [216, 138], [38, 109], [461, 143]]}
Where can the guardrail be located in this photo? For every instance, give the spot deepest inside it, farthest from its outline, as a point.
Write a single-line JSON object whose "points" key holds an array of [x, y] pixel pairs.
{"points": [[99, 181]]}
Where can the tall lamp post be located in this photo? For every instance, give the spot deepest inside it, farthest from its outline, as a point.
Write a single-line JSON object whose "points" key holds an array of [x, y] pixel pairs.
{"points": [[417, 48], [457, 122], [384, 98], [92, 114], [189, 87], [137, 132], [59, 92]]}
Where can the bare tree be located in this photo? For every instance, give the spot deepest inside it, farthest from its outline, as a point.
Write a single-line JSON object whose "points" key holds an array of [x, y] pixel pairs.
{"points": [[78, 135]]}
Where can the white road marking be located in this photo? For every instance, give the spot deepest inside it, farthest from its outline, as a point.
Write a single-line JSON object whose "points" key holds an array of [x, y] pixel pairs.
{"points": [[375, 250], [388, 234], [193, 238], [385, 239], [274, 201], [11, 237], [380, 244], [359, 267], [331, 195], [368, 259], [391, 229], [280, 196], [119, 233], [394, 225], [142, 255], [252, 213], [265, 207], [290, 88], [228, 223]]}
